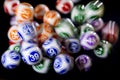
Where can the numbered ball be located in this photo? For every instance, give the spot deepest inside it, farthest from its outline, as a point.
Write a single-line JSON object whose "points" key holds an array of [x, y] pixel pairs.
{"points": [[110, 32], [85, 28], [40, 10], [64, 6], [94, 10], [24, 12], [66, 29], [97, 24], [52, 47], [26, 31], [62, 63], [72, 45], [27, 44], [83, 62], [10, 59], [10, 6], [13, 35], [89, 40], [44, 31], [103, 49], [42, 67], [32, 55], [78, 14], [15, 47], [52, 17]]}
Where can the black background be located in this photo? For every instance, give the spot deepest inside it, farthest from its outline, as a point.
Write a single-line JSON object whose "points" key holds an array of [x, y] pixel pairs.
{"points": [[101, 68]]}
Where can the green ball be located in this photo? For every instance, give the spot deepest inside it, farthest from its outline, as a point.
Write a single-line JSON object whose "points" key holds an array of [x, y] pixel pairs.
{"points": [[78, 14]]}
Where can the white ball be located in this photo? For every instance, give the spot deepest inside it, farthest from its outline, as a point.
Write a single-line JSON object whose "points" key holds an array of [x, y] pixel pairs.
{"points": [[32, 55], [27, 44], [43, 66], [62, 63], [10, 59], [52, 47], [26, 31]]}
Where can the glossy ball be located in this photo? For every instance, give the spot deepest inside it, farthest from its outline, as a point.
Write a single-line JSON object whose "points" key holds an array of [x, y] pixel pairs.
{"points": [[78, 14], [64, 6], [26, 31], [15, 47], [52, 17], [44, 31], [89, 40], [83, 62], [98, 24], [52, 47], [94, 10], [32, 55], [85, 28], [40, 10], [42, 67], [103, 49], [10, 59], [13, 35], [62, 63], [66, 29], [24, 12], [110, 32], [72, 45], [10, 6]]}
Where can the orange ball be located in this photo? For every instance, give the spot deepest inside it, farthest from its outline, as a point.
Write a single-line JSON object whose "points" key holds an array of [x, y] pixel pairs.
{"points": [[52, 17], [40, 10], [24, 12]]}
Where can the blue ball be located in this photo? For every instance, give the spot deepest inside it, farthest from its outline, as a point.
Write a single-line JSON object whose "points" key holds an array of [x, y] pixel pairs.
{"points": [[10, 59]]}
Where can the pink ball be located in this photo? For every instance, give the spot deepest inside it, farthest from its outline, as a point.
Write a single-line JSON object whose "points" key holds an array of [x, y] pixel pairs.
{"points": [[64, 6]]}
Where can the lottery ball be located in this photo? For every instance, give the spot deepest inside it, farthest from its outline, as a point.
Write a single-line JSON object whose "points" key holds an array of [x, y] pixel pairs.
{"points": [[85, 28], [78, 14], [110, 32], [52, 47], [83, 62], [27, 44], [103, 49], [89, 40], [66, 29], [62, 63], [94, 10], [13, 34], [10, 59], [24, 12], [42, 67], [40, 10], [10, 6], [52, 17], [15, 47], [64, 6], [32, 55], [72, 45], [44, 31], [26, 31], [97, 24]]}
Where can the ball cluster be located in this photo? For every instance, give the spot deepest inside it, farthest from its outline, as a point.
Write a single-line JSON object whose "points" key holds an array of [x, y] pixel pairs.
{"points": [[41, 37]]}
